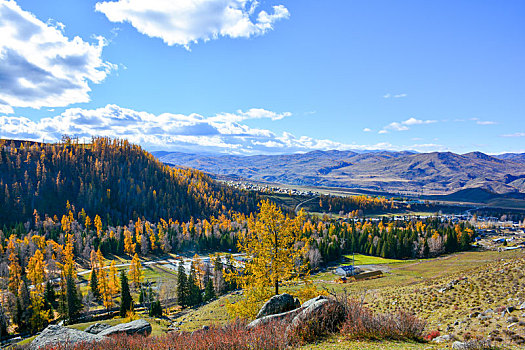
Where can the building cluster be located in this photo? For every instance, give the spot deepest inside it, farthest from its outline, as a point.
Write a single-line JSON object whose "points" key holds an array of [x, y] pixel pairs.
{"points": [[257, 187]]}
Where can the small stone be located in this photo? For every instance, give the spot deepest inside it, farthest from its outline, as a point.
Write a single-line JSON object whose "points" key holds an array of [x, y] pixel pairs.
{"points": [[459, 345], [443, 338]]}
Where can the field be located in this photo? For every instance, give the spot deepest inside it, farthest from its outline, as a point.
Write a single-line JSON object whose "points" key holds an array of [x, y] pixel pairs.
{"points": [[413, 285], [483, 280], [361, 259]]}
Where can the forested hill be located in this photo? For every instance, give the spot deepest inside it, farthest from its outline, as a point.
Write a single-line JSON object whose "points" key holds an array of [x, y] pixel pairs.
{"points": [[112, 178]]}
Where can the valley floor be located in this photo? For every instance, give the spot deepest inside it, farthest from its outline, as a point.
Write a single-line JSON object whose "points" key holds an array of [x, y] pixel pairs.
{"points": [[449, 292], [466, 294]]}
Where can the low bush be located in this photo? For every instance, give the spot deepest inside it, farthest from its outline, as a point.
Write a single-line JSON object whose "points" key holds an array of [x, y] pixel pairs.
{"points": [[234, 336], [432, 335], [361, 323], [328, 321]]}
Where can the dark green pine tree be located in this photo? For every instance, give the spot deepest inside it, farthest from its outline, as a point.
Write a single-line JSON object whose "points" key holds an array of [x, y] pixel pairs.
{"points": [[126, 301], [23, 309], [209, 291], [426, 249], [4, 333], [142, 295], [195, 295], [73, 300], [155, 309], [182, 286], [465, 241], [93, 284], [50, 299]]}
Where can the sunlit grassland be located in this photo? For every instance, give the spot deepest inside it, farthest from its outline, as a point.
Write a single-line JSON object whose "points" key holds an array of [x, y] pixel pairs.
{"points": [[361, 259]]}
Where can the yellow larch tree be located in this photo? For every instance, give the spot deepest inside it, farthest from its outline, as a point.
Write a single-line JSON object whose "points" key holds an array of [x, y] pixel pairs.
{"points": [[113, 278], [36, 269], [135, 271], [275, 250], [151, 235], [87, 222], [69, 268], [104, 281], [129, 246], [98, 225], [15, 271]]}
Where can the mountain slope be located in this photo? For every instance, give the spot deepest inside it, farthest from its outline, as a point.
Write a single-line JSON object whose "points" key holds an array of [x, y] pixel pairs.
{"points": [[107, 177], [429, 173]]}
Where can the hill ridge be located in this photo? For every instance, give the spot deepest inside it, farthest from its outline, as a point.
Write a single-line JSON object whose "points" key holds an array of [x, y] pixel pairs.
{"points": [[421, 173]]}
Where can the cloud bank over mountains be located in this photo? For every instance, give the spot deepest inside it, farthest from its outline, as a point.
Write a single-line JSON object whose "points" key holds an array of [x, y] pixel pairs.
{"points": [[40, 66], [183, 22], [223, 132]]}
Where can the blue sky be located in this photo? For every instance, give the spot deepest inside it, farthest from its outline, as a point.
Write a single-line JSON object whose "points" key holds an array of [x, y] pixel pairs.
{"points": [[248, 77]]}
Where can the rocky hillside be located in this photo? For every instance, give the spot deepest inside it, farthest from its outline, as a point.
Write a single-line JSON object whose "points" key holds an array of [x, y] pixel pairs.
{"points": [[428, 173]]}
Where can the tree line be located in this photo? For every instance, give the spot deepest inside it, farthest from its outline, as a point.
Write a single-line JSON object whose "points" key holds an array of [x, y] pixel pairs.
{"points": [[108, 176]]}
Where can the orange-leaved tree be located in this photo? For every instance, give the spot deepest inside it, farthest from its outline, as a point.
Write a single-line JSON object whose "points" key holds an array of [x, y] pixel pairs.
{"points": [[275, 249]]}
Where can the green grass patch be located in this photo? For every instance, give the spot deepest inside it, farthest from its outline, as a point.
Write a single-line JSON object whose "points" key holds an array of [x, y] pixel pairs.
{"points": [[361, 259]]}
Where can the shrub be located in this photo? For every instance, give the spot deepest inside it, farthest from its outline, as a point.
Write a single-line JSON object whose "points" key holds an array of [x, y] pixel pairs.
{"points": [[328, 321], [234, 336], [361, 323], [432, 335]]}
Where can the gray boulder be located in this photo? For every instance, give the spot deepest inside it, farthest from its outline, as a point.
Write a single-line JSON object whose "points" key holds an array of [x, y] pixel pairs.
{"points": [[278, 304], [288, 315], [55, 335], [307, 303], [141, 327], [312, 310], [97, 328]]}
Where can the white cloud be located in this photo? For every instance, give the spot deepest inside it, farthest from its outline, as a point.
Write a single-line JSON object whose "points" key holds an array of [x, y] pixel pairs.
{"points": [[182, 22], [254, 113], [170, 131], [389, 95], [516, 134], [485, 122], [367, 130], [5, 109], [40, 67], [404, 125]]}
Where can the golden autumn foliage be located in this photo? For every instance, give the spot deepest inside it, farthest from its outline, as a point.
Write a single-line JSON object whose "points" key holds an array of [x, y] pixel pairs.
{"points": [[36, 269], [113, 278], [135, 271], [129, 246], [15, 270], [104, 283], [275, 250]]}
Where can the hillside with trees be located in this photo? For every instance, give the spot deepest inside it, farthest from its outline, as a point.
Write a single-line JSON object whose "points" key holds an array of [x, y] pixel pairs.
{"points": [[111, 178], [68, 208]]}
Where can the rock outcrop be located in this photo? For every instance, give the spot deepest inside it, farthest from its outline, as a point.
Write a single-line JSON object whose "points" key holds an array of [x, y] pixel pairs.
{"points": [[278, 304], [54, 335], [97, 328], [284, 316], [141, 327], [313, 308], [310, 309]]}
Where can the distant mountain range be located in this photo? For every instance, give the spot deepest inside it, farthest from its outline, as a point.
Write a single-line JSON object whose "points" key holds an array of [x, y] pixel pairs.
{"points": [[403, 172]]}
